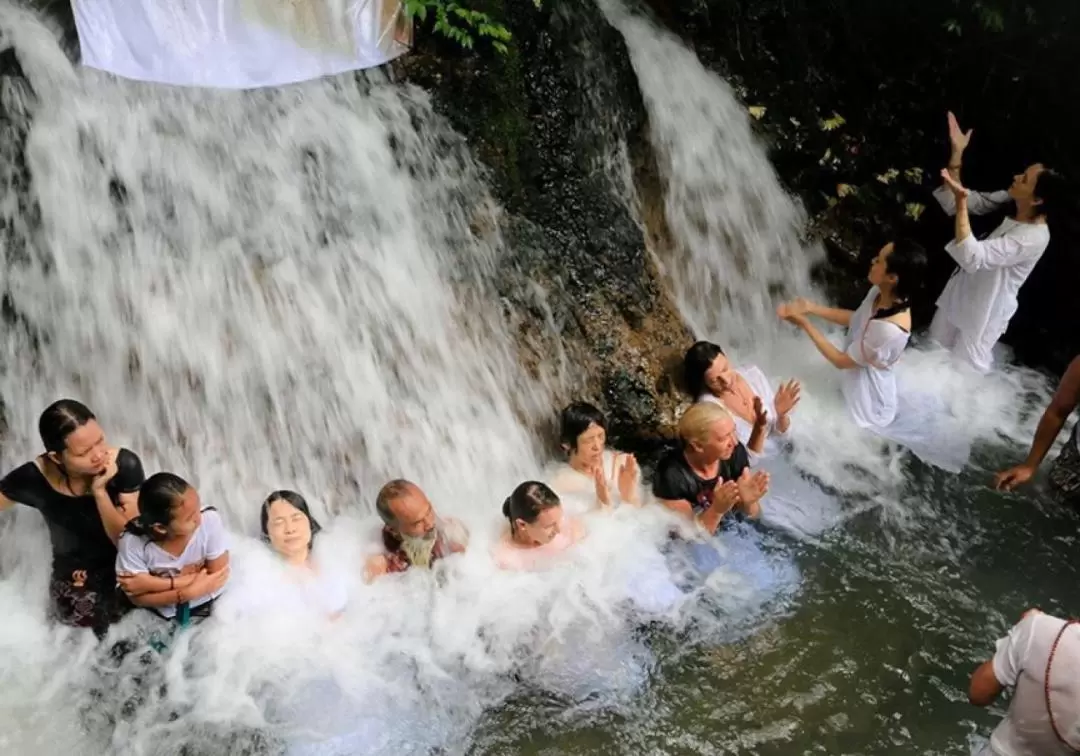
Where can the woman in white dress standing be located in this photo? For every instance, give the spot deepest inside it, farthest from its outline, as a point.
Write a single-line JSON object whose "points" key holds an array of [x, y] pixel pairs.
{"points": [[977, 303], [877, 334]]}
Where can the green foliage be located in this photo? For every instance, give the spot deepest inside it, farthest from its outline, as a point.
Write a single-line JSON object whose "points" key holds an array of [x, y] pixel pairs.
{"points": [[460, 24]]}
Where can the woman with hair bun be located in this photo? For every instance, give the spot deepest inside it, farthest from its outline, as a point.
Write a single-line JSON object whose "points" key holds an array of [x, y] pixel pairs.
{"points": [[877, 336], [539, 529]]}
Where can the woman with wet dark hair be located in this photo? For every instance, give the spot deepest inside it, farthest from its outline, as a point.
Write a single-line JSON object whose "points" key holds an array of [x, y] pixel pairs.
{"points": [[976, 305], [593, 472], [538, 530], [87, 491], [758, 411], [877, 335], [289, 528], [174, 557]]}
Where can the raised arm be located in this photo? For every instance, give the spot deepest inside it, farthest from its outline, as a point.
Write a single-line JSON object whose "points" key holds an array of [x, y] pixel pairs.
{"points": [[802, 306], [839, 358], [973, 255], [1052, 421], [979, 203]]}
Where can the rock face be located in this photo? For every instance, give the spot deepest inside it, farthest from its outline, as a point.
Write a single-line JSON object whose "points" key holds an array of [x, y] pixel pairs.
{"points": [[551, 121]]}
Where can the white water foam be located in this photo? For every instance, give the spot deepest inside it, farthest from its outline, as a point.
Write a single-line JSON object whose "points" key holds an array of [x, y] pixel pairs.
{"points": [[283, 289]]}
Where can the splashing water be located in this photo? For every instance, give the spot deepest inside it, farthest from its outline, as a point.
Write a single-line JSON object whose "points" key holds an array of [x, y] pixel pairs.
{"points": [[281, 289], [738, 251]]}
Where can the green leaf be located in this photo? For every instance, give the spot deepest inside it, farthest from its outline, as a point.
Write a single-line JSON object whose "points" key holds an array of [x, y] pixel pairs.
{"points": [[831, 124]]}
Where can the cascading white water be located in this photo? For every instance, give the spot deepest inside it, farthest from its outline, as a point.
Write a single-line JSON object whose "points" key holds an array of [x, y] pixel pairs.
{"points": [[279, 289], [738, 251]]}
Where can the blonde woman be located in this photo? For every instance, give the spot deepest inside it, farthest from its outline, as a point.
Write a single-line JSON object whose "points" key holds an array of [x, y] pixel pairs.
{"points": [[709, 475]]}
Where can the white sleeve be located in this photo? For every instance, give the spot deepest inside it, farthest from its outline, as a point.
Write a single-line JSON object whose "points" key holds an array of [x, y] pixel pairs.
{"points": [[217, 538], [979, 203], [1012, 651], [1003, 252], [879, 345], [130, 555]]}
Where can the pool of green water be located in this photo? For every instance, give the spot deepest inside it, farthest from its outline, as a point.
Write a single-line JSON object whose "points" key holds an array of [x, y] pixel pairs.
{"points": [[871, 656]]}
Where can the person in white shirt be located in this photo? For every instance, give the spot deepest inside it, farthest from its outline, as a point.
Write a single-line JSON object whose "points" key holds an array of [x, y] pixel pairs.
{"points": [[593, 477], [174, 557], [977, 303], [1040, 659], [877, 333]]}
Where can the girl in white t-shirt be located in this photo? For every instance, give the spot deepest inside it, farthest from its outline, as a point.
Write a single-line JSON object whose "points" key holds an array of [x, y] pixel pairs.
{"points": [[174, 557]]}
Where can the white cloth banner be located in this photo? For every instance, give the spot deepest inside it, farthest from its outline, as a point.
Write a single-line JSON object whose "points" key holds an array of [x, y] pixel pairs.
{"points": [[239, 44]]}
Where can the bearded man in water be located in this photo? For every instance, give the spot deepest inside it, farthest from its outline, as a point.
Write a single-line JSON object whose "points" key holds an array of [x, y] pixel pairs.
{"points": [[413, 535]]}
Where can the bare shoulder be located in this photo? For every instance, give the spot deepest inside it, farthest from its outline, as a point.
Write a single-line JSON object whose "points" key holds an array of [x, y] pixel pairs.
{"points": [[902, 319]]}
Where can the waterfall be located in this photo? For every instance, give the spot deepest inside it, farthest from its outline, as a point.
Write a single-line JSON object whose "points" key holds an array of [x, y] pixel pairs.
{"points": [[286, 288], [738, 249]]}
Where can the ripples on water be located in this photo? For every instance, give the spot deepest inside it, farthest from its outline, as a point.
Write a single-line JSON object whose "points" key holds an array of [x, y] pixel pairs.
{"points": [[283, 288]]}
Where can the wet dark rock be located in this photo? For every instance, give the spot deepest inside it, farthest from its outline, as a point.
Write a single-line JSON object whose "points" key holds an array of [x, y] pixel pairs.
{"points": [[546, 120]]}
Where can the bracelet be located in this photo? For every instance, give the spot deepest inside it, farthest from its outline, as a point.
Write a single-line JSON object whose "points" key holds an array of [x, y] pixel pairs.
{"points": [[172, 583]]}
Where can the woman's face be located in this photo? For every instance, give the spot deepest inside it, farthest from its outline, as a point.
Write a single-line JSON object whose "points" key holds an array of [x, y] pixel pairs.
{"points": [[1023, 185], [545, 528], [288, 528], [879, 269], [720, 442], [589, 448], [85, 451], [720, 376]]}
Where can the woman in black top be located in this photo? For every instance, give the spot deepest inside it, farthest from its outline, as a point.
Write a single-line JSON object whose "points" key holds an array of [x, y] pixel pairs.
{"points": [[86, 491], [709, 475]]}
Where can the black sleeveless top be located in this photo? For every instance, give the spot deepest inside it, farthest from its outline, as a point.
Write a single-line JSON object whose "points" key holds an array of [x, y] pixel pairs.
{"points": [[79, 540]]}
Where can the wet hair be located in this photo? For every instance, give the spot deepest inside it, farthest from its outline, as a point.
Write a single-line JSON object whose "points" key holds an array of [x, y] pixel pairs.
{"points": [[907, 262], [388, 494], [697, 361], [696, 422], [528, 501], [576, 419], [158, 496], [59, 420], [297, 502], [1053, 191]]}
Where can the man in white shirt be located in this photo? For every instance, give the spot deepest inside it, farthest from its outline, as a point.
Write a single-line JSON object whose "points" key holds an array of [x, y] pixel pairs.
{"points": [[1040, 660]]}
